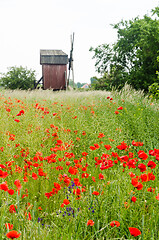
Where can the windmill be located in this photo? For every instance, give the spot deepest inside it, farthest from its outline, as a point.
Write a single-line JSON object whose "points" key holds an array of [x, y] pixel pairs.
{"points": [[70, 66]]}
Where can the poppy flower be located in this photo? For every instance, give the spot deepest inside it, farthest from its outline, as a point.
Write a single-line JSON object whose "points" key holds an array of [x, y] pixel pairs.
{"points": [[142, 155], [134, 231], [95, 193], [114, 223], [10, 191], [133, 199], [157, 197], [119, 108], [13, 234], [107, 147], [151, 164], [9, 226], [34, 176], [4, 186], [142, 167], [17, 184], [66, 201], [12, 208], [90, 223], [123, 146], [16, 120]]}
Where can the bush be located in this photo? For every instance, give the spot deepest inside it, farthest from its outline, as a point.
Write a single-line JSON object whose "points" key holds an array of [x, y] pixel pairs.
{"points": [[18, 78], [154, 90]]}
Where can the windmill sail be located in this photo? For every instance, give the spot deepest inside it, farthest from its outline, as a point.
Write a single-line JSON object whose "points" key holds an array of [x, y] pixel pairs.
{"points": [[70, 67]]}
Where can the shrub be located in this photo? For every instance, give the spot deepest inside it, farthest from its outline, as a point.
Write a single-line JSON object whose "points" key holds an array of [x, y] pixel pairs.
{"points": [[18, 78], [154, 90]]}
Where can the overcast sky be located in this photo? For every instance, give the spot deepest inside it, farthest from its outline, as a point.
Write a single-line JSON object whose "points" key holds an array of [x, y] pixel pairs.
{"points": [[30, 25]]}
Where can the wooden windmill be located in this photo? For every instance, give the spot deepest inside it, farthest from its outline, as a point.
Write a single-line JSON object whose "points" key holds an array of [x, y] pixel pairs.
{"points": [[70, 67]]}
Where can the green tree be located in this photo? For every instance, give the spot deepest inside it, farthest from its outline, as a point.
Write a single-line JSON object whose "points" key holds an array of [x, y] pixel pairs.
{"points": [[132, 58], [18, 78]]}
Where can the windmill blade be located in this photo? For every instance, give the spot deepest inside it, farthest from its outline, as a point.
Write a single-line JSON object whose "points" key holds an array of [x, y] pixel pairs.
{"points": [[70, 67]]}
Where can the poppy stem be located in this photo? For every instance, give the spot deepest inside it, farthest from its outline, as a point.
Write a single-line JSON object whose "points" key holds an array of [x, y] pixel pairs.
{"points": [[142, 227]]}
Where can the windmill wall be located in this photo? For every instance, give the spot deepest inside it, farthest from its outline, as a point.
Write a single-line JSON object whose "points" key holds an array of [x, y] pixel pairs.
{"points": [[54, 69]]}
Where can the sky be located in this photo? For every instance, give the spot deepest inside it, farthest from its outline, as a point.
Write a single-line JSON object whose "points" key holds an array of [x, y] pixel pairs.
{"points": [[26, 26]]}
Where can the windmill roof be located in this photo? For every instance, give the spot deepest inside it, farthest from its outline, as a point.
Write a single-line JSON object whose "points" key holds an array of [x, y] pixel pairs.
{"points": [[49, 52], [53, 57]]}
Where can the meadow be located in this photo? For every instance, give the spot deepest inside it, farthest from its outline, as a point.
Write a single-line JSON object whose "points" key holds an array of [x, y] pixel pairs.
{"points": [[79, 165]]}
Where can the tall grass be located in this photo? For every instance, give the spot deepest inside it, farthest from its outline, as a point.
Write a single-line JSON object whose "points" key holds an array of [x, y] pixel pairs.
{"points": [[58, 130]]}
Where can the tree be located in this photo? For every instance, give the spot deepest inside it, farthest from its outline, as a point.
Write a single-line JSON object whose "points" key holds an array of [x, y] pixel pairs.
{"points": [[132, 58], [18, 78]]}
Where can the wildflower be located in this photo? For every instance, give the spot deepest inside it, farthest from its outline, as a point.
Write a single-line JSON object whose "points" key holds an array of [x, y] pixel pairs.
{"points": [[4, 186], [16, 120], [133, 199], [157, 197], [107, 147], [101, 176], [13, 234], [66, 202], [34, 176], [151, 164], [17, 184], [90, 223], [101, 135], [114, 223], [10, 191], [119, 108], [9, 226], [12, 208], [142, 155], [142, 167], [134, 231], [95, 193], [123, 146]]}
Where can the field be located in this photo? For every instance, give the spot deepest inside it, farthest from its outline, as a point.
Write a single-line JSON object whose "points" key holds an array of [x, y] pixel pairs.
{"points": [[79, 165]]}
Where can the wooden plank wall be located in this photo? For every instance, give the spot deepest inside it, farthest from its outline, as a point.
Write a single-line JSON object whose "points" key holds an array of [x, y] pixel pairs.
{"points": [[54, 76]]}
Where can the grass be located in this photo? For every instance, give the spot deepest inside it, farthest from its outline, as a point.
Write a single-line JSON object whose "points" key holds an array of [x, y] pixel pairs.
{"points": [[57, 149]]}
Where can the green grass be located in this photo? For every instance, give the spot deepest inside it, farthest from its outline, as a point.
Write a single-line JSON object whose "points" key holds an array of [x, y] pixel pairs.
{"points": [[78, 119]]}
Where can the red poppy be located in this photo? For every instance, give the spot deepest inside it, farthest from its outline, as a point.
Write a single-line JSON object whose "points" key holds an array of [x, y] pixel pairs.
{"points": [[142, 155], [9, 226], [119, 108], [10, 191], [107, 147], [123, 146], [90, 223], [133, 199], [66, 201], [16, 120], [57, 186], [17, 183], [84, 153], [34, 176], [142, 167], [151, 164], [114, 223], [134, 231], [4, 186], [95, 193], [13, 234], [101, 176], [157, 197], [12, 208]]}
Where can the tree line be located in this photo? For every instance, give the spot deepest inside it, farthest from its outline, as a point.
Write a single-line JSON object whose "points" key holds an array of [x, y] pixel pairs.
{"points": [[133, 58]]}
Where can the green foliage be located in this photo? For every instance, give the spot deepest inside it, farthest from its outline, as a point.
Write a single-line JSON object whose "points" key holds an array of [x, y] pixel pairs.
{"points": [[18, 78], [133, 57], [154, 90]]}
